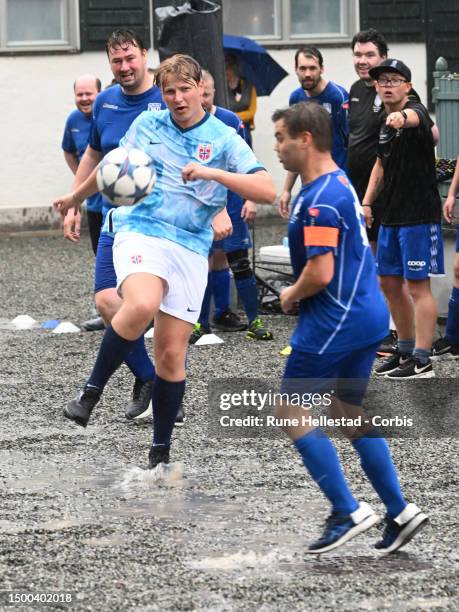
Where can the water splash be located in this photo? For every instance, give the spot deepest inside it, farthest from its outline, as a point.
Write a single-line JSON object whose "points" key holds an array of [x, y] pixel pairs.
{"points": [[169, 474]]}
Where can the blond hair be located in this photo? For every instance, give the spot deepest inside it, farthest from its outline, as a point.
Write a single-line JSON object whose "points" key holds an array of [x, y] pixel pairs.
{"points": [[183, 67]]}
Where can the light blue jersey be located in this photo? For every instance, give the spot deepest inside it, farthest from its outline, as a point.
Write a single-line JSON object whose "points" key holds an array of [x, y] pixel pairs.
{"points": [[174, 210]]}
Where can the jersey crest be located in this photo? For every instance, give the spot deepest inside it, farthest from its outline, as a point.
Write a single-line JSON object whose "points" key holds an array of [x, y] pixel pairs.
{"points": [[154, 106], [204, 151], [328, 107]]}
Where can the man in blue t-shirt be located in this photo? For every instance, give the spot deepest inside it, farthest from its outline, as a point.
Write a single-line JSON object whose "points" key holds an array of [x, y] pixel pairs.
{"points": [[114, 110], [337, 290], [309, 68], [162, 243], [74, 143], [75, 140]]}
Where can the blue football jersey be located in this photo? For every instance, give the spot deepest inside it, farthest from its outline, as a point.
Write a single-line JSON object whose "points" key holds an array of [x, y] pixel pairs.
{"points": [[113, 113], [335, 99], [174, 210], [350, 312], [74, 141], [234, 201]]}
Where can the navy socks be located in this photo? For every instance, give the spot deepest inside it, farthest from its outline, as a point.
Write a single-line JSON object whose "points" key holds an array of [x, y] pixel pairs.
{"points": [[112, 352], [139, 362], [166, 398]]}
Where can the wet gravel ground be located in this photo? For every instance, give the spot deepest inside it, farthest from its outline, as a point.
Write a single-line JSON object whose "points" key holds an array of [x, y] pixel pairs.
{"points": [[76, 516]]}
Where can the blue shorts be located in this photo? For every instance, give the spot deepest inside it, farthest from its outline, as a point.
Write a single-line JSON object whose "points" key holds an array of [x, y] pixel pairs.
{"points": [[105, 275], [240, 238], [414, 252], [347, 373]]}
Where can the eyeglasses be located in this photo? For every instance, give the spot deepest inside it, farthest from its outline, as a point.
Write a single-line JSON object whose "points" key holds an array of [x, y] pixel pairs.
{"points": [[391, 82]]}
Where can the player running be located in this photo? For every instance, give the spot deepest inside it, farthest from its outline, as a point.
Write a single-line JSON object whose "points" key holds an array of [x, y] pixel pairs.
{"points": [[161, 244], [338, 293]]}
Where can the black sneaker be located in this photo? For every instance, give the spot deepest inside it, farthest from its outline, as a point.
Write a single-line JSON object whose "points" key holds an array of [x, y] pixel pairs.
{"points": [[390, 364], [198, 332], [96, 324], [400, 530], [140, 405], [257, 331], [157, 455], [340, 528], [412, 368], [389, 344], [443, 349], [79, 409], [181, 417], [229, 321]]}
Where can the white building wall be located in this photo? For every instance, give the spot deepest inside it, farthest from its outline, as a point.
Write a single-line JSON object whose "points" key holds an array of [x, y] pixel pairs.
{"points": [[36, 97]]}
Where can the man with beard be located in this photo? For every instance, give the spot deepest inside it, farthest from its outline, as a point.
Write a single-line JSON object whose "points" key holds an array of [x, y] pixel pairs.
{"points": [[309, 68]]}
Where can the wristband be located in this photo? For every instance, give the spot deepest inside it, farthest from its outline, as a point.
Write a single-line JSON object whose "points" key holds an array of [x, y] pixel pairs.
{"points": [[367, 206], [404, 115]]}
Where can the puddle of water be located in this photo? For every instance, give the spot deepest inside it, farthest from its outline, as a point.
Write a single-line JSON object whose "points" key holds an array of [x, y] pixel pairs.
{"points": [[106, 541], [236, 561], [171, 474]]}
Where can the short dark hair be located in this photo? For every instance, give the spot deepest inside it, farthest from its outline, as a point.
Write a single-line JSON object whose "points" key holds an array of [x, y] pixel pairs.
{"points": [[371, 36], [121, 39], [308, 117], [309, 52]]}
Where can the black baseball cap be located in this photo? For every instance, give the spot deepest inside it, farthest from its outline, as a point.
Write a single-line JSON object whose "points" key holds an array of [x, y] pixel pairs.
{"points": [[391, 65]]}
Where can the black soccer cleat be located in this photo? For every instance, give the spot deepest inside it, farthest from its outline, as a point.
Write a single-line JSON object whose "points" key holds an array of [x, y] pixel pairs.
{"points": [[229, 321], [79, 409], [96, 324], [181, 417], [139, 407], [157, 455]]}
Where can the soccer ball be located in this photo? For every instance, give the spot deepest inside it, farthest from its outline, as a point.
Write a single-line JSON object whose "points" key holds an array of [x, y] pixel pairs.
{"points": [[126, 176]]}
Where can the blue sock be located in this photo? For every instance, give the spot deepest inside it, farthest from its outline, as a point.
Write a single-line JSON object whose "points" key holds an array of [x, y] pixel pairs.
{"points": [[406, 347], [221, 290], [247, 291], [139, 362], [205, 306], [112, 352], [166, 398], [421, 355], [320, 459], [376, 462], [452, 324]]}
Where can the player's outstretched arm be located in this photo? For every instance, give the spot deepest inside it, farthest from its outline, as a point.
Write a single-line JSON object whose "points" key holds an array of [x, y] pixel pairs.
{"points": [[257, 187], [316, 275], [76, 198], [450, 202]]}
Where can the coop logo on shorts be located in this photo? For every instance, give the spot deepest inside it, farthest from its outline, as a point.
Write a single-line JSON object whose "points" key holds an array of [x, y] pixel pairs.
{"points": [[204, 151], [328, 107], [417, 264], [136, 259], [154, 106]]}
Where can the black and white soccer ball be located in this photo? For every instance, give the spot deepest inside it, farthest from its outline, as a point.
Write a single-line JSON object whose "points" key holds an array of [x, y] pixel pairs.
{"points": [[126, 176]]}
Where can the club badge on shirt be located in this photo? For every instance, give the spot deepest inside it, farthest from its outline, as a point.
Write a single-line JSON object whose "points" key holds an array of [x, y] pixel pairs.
{"points": [[204, 151]]}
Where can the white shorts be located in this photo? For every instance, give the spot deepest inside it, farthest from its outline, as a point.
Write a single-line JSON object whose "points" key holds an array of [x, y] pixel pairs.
{"points": [[184, 271]]}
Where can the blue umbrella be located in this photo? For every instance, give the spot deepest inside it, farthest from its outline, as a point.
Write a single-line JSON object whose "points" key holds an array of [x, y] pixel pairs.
{"points": [[256, 63]]}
